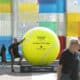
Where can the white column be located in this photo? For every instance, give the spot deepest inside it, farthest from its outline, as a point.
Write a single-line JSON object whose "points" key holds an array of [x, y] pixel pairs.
{"points": [[15, 17]]}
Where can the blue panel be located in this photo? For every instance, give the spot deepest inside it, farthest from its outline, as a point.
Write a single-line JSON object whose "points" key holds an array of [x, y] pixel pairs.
{"points": [[61, 4], [47, 1], [47, 8], [7, 41], [58, 7]]}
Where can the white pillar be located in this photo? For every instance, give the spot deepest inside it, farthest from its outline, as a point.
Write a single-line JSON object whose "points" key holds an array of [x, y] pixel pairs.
{"points": [[14, 17]]}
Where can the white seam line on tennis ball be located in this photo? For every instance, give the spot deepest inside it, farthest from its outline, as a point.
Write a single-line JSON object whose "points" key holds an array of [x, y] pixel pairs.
{"points": [[47, 53]]}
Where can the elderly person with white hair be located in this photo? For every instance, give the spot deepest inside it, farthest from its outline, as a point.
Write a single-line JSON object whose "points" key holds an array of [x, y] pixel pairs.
{"points": [[68, 63]]}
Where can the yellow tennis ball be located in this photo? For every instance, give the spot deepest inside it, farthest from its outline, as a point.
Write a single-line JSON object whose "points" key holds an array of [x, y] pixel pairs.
{"points": [[41, 46]]}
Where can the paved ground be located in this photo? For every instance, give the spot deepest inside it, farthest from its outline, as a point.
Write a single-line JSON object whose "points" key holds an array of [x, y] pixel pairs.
{"points": [[6, 74], [28, 76]]}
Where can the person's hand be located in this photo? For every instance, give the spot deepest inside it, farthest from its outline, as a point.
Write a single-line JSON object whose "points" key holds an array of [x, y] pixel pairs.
{"points": [[24, 38]]}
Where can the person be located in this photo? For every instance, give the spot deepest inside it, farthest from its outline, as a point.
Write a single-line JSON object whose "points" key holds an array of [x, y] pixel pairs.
{"points": [[79, 61], [14, 52], [3, 53], [68, 63]]}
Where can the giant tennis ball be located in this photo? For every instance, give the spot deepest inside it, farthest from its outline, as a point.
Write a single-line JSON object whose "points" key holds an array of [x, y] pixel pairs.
{"points": [[41, 46]]}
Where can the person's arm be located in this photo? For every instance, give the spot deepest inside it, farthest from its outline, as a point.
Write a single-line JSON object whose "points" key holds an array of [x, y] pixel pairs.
{"points": [[59, 72], [21, 41], [61, 62]]}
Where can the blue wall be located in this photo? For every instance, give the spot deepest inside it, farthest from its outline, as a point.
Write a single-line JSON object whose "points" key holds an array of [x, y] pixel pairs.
{"points": [[52, 6]]}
